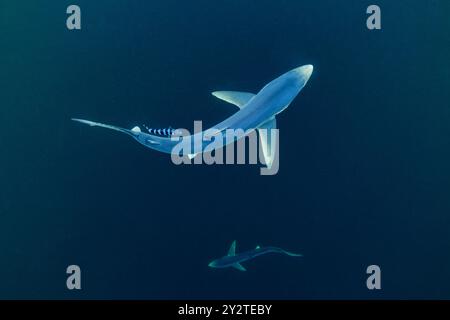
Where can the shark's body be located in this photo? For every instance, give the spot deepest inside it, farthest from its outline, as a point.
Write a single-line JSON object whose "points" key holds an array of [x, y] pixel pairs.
{"points": [[234, 260], [256, 112]]}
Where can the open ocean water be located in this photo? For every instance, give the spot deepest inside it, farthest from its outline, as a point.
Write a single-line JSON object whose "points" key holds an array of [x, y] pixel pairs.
{"points": [[364, 150]]}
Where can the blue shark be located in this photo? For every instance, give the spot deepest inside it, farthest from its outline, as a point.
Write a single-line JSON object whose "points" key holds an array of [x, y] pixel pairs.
{"points": [[234, 260], [256, 112]]}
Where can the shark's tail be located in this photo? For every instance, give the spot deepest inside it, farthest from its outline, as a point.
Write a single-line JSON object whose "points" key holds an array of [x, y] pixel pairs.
{"points": [[131, 132], [291, 254]]}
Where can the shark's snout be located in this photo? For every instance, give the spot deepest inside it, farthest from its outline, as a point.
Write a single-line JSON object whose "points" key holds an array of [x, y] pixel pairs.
{"points": [[300, 76], [212, 264], [305, 71]]}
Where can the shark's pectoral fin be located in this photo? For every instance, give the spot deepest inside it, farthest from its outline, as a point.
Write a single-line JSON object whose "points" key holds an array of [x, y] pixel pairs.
{"points": [[192, 155], [239, 99], [265, 138], [239, 267]]}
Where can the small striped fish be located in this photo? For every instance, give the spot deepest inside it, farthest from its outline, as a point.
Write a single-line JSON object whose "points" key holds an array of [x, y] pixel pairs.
{"points": [[166, 132]]}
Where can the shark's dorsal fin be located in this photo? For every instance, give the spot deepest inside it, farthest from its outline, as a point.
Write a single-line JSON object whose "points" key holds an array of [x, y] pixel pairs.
{"points": [[237, 98], [232, 250], [268, 146], [238, 266]]}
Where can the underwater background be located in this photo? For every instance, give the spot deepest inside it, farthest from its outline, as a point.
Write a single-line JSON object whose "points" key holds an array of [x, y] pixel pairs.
{"points": [[364, 150]]}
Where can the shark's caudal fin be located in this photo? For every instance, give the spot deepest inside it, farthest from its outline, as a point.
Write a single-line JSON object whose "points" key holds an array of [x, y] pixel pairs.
{"points": [[239, 99], [131, 132], [291, 253]]}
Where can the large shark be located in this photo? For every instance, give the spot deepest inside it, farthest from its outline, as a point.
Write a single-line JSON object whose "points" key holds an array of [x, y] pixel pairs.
{"points": [[234, 260], [256, 112]]}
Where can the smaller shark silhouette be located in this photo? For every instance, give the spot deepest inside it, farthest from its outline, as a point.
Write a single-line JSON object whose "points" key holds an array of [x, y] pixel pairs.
{"points": [[234, 260]]}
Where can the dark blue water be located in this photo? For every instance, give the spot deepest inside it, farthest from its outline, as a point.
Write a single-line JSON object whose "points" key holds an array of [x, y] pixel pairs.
{"points": [[364, 150]]}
